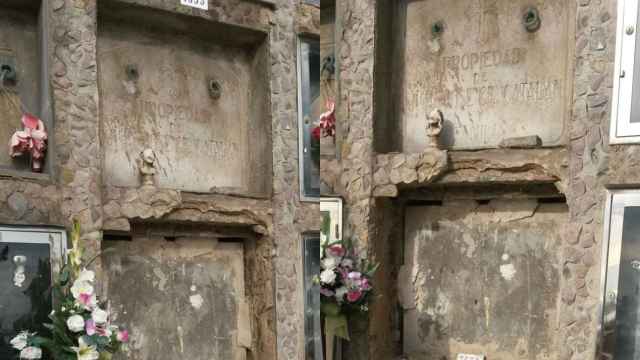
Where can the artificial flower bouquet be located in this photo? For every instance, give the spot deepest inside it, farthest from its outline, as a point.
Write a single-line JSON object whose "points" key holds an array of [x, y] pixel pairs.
{"points": [[326, 127], [345, 286], [80, 328]]}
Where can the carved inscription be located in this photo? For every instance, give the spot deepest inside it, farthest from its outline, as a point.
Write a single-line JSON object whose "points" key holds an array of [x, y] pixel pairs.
{"points": [[155, 95], [173, 130], [491, 78]]}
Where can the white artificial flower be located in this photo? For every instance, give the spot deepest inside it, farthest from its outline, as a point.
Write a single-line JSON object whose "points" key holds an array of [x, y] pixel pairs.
{"points": [[330, 262], [340, 293], [75, 323], [99, 316], [86, 275], [328, 276], [20, 341], [86, 352], [81, 287], [31, 353]]}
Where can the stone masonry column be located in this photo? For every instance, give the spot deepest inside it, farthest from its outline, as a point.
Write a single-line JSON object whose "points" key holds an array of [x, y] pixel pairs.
{"points": [[286, 205], [73, 33], [356, 44], [588, 139]]}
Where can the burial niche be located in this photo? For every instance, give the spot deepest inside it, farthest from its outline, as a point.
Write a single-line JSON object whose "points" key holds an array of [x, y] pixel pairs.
{"points": [[496, 68], [198, 98]]}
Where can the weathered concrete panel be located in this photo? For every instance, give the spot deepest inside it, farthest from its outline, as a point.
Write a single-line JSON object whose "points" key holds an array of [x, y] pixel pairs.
{"points": [[491, 78], [180, 299], [482, 279], [201, 142]]}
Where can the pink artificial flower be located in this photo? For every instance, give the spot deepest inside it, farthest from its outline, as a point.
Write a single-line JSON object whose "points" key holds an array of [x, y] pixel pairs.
{"points": [[336, 250], [354, 275], [365, 284], [328, 120], [90, 327], [123, 336], [326, 292], [19, 143], [315, 133], [354, 295], [87, 300], [32, 139], [30, 121], [342, 271]]}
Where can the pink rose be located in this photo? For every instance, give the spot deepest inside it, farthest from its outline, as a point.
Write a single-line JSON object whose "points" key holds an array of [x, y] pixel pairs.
{"points": [[336, 250], [354, 295], [123, 336]]}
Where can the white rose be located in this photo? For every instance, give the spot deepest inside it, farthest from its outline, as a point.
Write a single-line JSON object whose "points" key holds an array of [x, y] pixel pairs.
{"points": [[330, 262], [81, 287], [99, 316], [30, 353], [20, 341], [86, 275], [328, 276], [75, 323]]}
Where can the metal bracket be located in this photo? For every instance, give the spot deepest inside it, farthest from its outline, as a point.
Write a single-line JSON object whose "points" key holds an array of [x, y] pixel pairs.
{"points": [[531, 19], [8, 69], [215, 89]]}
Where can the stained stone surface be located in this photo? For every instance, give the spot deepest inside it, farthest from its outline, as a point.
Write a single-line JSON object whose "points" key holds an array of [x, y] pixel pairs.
{"points": [[491, 78], [482, 279], [179, 300]]}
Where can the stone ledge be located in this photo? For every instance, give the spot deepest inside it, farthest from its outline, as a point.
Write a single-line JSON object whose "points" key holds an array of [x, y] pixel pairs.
{"points": [[395, 171], [148, 203], [25, 176], [526, 166]]}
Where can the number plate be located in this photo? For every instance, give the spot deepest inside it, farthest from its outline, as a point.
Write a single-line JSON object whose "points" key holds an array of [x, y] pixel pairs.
{"points": [[470, 357], [200, 4]]}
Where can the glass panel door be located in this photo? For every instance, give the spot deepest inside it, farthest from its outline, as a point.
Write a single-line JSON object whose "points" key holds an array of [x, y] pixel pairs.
{"points": [[27, 259], [309, 109]]}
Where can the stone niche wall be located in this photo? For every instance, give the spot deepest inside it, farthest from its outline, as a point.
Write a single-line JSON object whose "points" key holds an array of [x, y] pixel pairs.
{"points": [[20, 46], [194, 91], [475, 61], [482, 278]]}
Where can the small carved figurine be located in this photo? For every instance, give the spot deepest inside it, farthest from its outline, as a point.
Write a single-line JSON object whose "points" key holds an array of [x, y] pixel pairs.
{"points": [[147, 167], [435, 121]]}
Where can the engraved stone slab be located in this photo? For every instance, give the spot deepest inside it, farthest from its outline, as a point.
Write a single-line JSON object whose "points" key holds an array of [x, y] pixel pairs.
{"points": [[491, 78], [155, 93]]}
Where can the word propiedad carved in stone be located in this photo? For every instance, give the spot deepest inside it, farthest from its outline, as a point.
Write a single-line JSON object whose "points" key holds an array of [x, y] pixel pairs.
{"points": [[435, 122], [147, 167]]}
